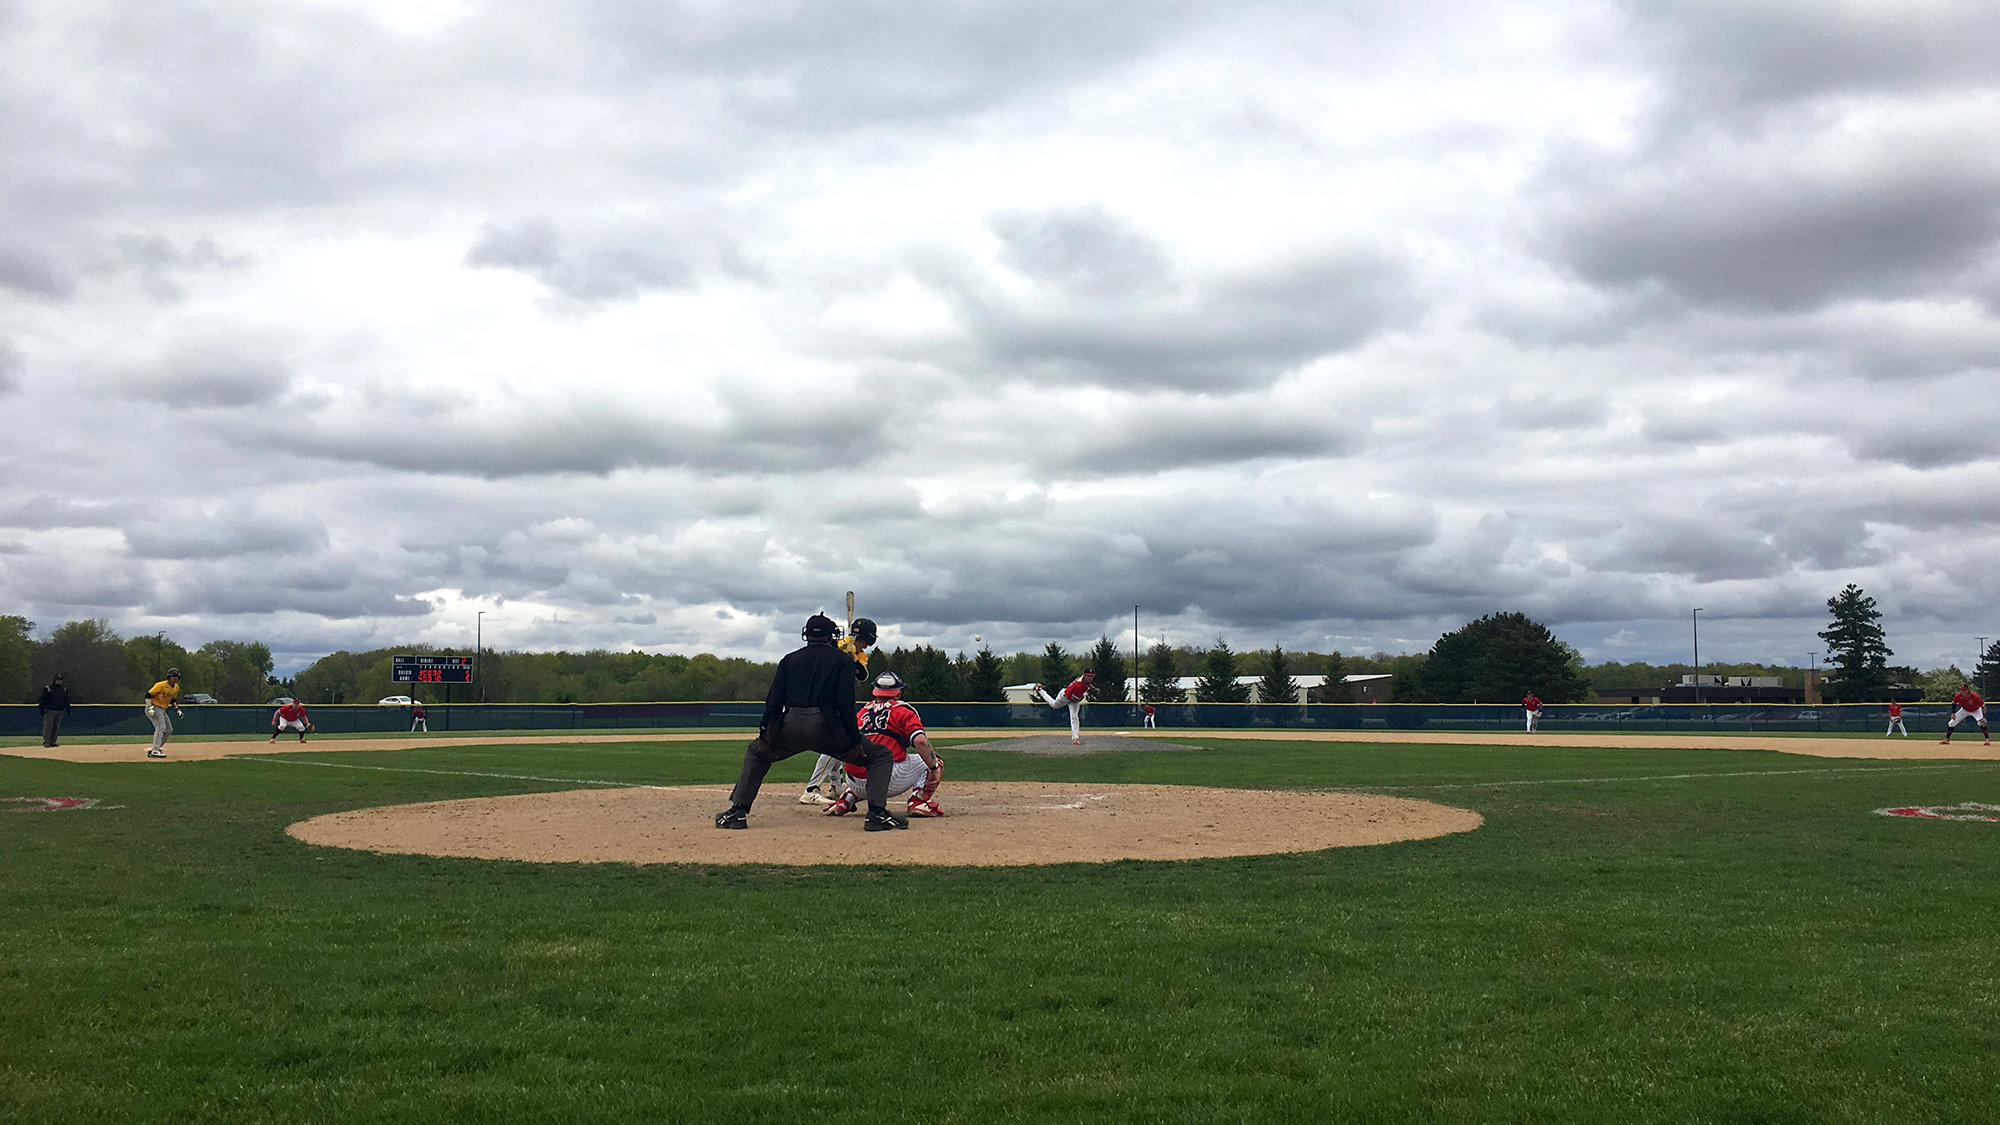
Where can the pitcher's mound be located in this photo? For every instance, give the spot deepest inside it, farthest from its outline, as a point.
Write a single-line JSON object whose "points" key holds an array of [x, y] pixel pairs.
{"points": [[992, 824]]}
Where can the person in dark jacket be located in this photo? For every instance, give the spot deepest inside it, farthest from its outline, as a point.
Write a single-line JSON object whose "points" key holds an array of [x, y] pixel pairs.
{"points": [[810, 710], [55, 708]]}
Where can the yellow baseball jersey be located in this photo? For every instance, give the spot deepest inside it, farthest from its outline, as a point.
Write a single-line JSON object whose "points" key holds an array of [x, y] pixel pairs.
{"points": [[163, 694]]}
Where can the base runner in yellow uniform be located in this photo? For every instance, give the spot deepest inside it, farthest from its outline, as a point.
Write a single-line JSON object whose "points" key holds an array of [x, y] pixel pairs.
{"points": [[165, 694]]}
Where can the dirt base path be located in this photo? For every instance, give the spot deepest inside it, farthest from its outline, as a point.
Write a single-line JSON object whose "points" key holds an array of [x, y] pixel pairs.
{"points": [[994, 824], [1093, 742]]}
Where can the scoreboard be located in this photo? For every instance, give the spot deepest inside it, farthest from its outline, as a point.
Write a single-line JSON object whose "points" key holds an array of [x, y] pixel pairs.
{"points": [[430, 669]]}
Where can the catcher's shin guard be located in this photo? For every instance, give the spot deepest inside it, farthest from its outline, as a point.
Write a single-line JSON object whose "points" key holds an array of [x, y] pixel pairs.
{"points": [[923, 799]]}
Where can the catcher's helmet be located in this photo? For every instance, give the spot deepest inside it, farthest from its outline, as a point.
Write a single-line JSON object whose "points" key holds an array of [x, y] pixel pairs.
{"points": [[863, 632], [888, 685], [820, 627]]}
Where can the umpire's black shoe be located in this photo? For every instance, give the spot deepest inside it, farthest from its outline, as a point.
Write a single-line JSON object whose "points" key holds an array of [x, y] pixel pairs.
{"points": [[735, 816], [882, 820]]}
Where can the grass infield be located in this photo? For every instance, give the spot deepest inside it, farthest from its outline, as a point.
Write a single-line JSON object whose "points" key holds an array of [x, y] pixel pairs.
{"points": [[1634, 936]]}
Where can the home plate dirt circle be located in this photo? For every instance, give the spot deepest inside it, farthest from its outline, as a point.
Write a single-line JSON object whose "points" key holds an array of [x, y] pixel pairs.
{"points": [[993, 824]]}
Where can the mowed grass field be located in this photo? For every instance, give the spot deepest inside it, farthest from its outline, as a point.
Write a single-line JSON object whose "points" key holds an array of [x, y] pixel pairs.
{"points": [[1634, 936]]}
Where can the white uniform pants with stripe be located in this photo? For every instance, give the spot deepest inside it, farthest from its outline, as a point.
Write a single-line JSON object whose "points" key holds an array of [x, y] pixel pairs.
{"points": [[1533, 718], [1075, 711], [908, 775], [1896, 724], [163, 727]]}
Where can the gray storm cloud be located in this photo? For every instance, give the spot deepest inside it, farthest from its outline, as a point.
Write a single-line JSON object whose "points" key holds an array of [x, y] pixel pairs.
{"points": [[664, 325]]}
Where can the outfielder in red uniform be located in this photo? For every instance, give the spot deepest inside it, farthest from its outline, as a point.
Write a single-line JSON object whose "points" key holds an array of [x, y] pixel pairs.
{"points": [[1533, 706], [291, 716], [1150, 713], [1072, 697], [890, 722], [1896, 720], [1967, 705]]}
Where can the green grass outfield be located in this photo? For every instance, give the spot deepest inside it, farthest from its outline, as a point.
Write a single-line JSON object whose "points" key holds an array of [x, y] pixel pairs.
{"points": [[1634, 936]]}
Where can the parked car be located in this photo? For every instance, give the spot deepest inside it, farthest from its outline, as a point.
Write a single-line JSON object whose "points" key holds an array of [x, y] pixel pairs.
{"points": [[197, 697], [281, 701], [396, 701]]}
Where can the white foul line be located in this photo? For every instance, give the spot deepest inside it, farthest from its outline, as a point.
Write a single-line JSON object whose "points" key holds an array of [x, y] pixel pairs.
{"points": [[450, 773], [1660, 777]]}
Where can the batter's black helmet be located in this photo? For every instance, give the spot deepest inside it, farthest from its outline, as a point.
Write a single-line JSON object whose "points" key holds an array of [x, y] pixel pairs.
{"points": [[888, 685], [820, 627], [863, 632], [172, 672]]}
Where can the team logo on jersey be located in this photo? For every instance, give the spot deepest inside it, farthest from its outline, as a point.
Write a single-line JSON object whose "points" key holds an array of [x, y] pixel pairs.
{"points": [[1969, 810]]}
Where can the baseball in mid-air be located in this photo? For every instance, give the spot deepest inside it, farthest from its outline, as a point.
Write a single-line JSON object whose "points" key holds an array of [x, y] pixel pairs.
{"points": [[977, 637]]}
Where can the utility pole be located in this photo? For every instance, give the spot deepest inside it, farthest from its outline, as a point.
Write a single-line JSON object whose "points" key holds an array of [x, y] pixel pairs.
{"points": [[1697, 656], [1135, 654]]}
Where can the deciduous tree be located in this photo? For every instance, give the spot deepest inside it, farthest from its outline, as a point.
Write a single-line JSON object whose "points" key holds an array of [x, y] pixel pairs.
{"points": [[17, 660]]}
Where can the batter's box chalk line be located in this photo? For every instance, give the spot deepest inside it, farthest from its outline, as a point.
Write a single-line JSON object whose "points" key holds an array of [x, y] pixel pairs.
{"points": [[1073, 804], [1966, 810]]}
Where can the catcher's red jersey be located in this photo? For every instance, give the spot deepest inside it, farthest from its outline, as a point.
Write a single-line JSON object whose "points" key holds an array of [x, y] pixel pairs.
{"points": [[891, 722], [1967, 701]]}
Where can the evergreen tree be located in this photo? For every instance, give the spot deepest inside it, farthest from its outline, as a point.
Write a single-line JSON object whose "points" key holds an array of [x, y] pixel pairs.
{"points": [[1109, 686], [1218, 677], [1986, 677], [1276, 686], [17, 661], [1056, 670], [1498, 659], [1855, 647], [1162, 677], [985, 678], [1336, 689], [928, 675]]}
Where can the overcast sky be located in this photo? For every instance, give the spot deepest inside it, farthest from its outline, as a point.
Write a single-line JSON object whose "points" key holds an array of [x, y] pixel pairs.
{"points": [[1333, 325]]}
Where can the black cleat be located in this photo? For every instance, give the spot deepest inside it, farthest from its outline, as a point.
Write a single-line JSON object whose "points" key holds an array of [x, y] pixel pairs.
{"points": [[884, 821], [733, 817]]}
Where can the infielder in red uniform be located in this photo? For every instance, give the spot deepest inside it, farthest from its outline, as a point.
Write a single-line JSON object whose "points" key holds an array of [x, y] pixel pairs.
{"points": [[1150, 713], [292, 716], [890, 722], [1967, 705], [1072, 697], [1896, 720], [1533, 706]]}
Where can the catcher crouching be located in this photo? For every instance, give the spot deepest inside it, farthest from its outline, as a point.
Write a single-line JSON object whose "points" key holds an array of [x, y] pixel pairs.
{"points": [[890, 722]]}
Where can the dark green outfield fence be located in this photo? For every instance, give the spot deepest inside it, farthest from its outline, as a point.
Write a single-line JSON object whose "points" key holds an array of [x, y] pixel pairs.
{"points": [[109, 719]]}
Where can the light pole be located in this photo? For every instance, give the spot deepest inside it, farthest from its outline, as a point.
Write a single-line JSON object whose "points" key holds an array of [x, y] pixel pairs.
{"points": [[1812, 675], [1697, 656], [1980, 658], [478, 643], [1135, 654]]}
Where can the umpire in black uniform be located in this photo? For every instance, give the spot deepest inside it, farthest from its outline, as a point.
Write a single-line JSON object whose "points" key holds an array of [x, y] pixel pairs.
{"points": [[810, 710], [55, 708]]}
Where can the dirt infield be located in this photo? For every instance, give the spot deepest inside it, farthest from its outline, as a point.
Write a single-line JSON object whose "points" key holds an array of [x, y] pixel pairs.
{"points": [[992, 824], [1094, 742]]}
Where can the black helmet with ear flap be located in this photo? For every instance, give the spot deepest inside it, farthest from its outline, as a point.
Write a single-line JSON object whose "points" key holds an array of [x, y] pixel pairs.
{"points": [[863, 632]]}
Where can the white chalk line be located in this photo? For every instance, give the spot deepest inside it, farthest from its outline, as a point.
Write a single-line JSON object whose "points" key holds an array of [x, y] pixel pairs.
{"points": [[452, 773], [1656, 777]]}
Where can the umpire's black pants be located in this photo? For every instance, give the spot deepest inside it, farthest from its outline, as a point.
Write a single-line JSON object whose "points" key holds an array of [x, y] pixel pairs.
{"points": [[810, 732]]}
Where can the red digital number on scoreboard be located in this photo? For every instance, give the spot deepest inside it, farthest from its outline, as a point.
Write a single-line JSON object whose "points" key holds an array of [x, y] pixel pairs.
{"points": [[429, 676]]}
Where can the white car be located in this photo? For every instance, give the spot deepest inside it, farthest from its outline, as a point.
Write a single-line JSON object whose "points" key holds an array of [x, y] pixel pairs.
{"points": [[396, 701]]}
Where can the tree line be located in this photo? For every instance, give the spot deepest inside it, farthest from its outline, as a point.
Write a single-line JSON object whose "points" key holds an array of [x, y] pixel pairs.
{"points": [[1496, 659], [99, 666]]}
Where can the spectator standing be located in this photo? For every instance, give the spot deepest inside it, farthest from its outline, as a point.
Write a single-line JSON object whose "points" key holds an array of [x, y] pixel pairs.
{"points": [[55, 708]]}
